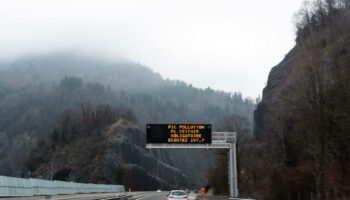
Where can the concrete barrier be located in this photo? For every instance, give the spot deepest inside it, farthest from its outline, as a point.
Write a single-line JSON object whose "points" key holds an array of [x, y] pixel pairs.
{"points": [[42, 187], [11, 186]]}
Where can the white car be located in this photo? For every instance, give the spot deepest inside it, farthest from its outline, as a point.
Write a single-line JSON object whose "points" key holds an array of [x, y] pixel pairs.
{"points": [[177, 194]]}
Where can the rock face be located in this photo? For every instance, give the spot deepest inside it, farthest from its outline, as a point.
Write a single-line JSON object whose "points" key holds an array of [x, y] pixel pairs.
{"points": [[116, 156], [278, 84]]}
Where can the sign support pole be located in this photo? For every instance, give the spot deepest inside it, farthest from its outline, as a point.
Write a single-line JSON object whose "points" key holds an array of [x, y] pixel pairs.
{"points": [[233, 171]]}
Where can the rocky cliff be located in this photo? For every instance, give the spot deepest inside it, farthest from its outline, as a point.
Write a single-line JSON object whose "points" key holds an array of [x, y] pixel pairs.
{"points": [[303, 120], [272, 103]]}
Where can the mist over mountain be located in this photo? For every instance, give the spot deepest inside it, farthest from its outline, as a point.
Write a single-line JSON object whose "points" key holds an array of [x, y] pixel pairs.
{"points": [[36, 91], [52, 67]]}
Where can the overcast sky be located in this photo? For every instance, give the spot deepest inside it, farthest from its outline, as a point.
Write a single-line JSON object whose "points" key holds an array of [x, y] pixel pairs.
{"points": [[229, 45]]}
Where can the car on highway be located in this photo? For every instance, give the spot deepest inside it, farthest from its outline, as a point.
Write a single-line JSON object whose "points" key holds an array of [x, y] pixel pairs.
{"points": [[177, 194]]}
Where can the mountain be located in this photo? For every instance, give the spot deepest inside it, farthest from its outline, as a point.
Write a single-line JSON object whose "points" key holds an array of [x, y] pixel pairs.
{"points": [[36, 92], [136, 83], [303, 120]]}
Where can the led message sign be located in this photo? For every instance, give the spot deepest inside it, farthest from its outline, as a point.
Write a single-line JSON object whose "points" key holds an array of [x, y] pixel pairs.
{"points": [[178, 133]]}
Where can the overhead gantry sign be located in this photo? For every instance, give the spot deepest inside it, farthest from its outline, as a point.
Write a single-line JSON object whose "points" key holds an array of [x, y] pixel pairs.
{"points": [[194, 136], [178, 133]]}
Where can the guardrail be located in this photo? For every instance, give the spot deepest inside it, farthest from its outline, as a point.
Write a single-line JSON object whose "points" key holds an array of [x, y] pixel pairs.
{"points": [[11, 186]]}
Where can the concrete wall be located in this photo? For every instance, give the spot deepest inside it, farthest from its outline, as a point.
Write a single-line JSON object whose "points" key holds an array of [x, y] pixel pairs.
{"points": [[10, 186]]}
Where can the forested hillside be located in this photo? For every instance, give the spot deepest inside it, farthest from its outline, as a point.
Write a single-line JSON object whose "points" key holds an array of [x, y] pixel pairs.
{"points": [[36, 91], [97, 145]]}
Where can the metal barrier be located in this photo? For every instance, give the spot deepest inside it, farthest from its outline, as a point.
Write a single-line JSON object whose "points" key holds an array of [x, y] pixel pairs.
{"points": [[11, 186]]}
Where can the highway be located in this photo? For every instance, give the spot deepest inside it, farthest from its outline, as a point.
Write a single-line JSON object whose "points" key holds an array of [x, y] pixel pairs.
{"points": [[103, 196], [159, 196], [154, 196]]}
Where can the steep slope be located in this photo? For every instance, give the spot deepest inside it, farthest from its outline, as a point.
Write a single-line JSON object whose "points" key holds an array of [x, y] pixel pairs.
{"points": [[303, 120]]}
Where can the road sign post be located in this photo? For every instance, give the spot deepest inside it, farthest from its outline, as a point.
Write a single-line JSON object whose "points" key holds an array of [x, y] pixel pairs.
{"points": [[233, 170], [195, 136]]}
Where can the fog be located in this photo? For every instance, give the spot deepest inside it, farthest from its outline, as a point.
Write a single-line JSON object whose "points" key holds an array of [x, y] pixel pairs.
{"points": [[227, 45]]}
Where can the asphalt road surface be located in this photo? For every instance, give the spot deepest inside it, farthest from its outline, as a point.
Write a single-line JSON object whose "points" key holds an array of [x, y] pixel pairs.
{"points": [[155, 196], [161, 196]]}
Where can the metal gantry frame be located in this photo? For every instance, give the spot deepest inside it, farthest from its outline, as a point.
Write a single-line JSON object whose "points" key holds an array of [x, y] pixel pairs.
{"points": [[220, 140]]}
